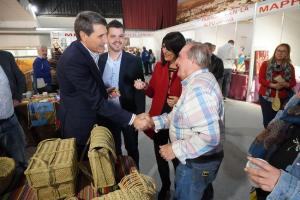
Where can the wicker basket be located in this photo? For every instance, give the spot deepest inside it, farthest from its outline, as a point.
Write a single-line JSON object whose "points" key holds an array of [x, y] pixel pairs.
{"points": [[135, 180], [63, 190], [7, 170], [53, 168], [134, 186], [102, 157]]}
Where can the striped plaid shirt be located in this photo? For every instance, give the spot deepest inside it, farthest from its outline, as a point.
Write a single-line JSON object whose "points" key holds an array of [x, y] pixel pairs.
{"points": [[196, 121]]}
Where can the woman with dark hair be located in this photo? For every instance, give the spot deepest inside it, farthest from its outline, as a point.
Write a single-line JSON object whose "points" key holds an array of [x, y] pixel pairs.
{"points": [[276, 78], [164, 88]]}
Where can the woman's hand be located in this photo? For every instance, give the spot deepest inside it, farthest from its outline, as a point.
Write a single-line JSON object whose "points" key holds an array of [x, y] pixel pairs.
{"points": [[172, 100], [265, 176], [285, 84], [140, 85], [276, 86]]}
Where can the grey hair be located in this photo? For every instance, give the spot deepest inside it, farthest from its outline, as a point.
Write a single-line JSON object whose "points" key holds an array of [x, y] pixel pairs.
{"points": [[85, 20], [42, 47], [199, 53]]}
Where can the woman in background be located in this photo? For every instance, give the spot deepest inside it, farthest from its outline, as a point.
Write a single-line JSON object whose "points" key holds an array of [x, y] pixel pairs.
{"points": [[276, 76], [165, 89]]}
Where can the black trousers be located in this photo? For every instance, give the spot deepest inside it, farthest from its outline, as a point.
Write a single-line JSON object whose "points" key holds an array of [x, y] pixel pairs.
{"points": [[130, 136], [162, 138], [267, 111]]}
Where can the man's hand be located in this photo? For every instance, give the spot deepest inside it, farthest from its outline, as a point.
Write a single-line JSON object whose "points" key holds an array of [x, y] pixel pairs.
{"points": [[140, 85], [143, 122], [16, 102], [172, 100], [113, 92], [266, 176], [166, 152]]}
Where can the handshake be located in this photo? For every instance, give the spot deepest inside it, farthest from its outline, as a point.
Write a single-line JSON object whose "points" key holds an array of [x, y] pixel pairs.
{"points": [[143, 122]]}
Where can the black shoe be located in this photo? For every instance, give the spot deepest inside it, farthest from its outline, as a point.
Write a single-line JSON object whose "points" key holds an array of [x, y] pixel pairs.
{"points": [[164, 194]]}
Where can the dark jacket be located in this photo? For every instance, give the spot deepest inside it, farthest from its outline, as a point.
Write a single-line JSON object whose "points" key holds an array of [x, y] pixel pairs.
{"points": [[15, 76], [131, 99], [41, 69], [216, 66], [83, 95]]}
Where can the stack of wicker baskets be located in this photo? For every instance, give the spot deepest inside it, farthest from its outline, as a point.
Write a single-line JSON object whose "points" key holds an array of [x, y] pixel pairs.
{"points": [[134, 186], [102, 157], [53, 168], [7, 169]]}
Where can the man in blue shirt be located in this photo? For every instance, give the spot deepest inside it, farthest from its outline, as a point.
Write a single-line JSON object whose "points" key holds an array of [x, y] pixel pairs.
{"points": [[41, 72], [145, 59], [119, 69]]}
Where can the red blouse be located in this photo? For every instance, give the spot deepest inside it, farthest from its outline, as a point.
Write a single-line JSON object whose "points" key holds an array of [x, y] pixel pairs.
{"points": [[265, 84], [159, 87]]}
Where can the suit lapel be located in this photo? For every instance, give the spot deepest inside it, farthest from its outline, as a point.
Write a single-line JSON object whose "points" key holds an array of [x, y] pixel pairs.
{"points": [[122, 70], [91, 62], [102, 62]]}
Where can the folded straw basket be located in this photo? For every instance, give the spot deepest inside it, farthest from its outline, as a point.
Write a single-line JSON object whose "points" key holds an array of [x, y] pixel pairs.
{"points": [[53, 168], [7, 170], [102, 157]]}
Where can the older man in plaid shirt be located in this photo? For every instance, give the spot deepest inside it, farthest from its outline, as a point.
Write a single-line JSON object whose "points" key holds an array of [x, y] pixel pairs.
{"points": [[196, 126]]}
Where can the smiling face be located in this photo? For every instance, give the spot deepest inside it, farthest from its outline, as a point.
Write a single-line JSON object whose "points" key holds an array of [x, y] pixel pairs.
{"points": [[115, 38], [97, 39], [183, 63], [168, 55], [281, 53]]}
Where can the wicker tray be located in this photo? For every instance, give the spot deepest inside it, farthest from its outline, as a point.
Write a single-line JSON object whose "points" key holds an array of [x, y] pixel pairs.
{"points": [[7, 170], [134, 186], [54, 162], [102, 157]]}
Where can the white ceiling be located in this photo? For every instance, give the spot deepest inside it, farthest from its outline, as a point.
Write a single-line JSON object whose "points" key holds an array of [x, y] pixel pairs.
{"points": [[13, 15]]}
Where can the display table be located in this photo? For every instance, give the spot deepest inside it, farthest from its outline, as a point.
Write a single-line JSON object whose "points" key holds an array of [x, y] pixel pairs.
{"points": [[238, 86], [35, 134]]}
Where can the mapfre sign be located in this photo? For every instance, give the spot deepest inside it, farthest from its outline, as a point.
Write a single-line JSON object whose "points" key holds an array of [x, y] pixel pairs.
{"points": [[277, 6]]}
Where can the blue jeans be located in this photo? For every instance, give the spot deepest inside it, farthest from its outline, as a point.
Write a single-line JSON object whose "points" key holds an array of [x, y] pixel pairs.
{"points": [[12, 141], [193, 178]]}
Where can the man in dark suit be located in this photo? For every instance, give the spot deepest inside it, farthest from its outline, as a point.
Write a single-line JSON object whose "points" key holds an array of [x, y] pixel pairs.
{"points": [[119, 69], [216, 66], [82, 91]]}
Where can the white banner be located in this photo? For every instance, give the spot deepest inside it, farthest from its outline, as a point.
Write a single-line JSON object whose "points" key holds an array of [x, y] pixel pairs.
{"points": [[62, 39], [270, 7]]}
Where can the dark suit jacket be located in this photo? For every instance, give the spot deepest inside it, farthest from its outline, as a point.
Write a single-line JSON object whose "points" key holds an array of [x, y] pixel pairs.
{"points": [[83, 95], [216, 66], [14, 75], [131, 99]]}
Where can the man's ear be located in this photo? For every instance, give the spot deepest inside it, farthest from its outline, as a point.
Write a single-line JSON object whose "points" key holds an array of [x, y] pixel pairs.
{"points": [[83, 36]]}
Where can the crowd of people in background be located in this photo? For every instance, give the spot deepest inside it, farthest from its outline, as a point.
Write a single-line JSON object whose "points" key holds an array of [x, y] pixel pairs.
{"points": [[188, 85]]}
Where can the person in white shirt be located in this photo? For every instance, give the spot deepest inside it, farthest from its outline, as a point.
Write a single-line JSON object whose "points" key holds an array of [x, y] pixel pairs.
{"points": [[228, 55]]}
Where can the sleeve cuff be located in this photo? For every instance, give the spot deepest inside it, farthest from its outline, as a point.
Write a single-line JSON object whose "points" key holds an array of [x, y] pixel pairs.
{"points": [[132, 119], [158, 123], [178, 153]]}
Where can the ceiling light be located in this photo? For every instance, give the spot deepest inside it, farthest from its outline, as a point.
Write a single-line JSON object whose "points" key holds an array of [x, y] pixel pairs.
{"points": [[33, 8]]}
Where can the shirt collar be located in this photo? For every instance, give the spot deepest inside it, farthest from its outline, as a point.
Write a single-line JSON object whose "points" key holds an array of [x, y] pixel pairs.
{"points": [[117, 60], [188, 79], [95, 55]]}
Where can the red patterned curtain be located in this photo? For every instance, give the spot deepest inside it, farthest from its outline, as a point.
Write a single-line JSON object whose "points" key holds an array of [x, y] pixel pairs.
{"points": [[149, 14]]}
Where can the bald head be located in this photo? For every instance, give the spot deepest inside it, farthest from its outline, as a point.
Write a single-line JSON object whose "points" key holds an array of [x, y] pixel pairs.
{"points": [[42, 51], [192, 57]]}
